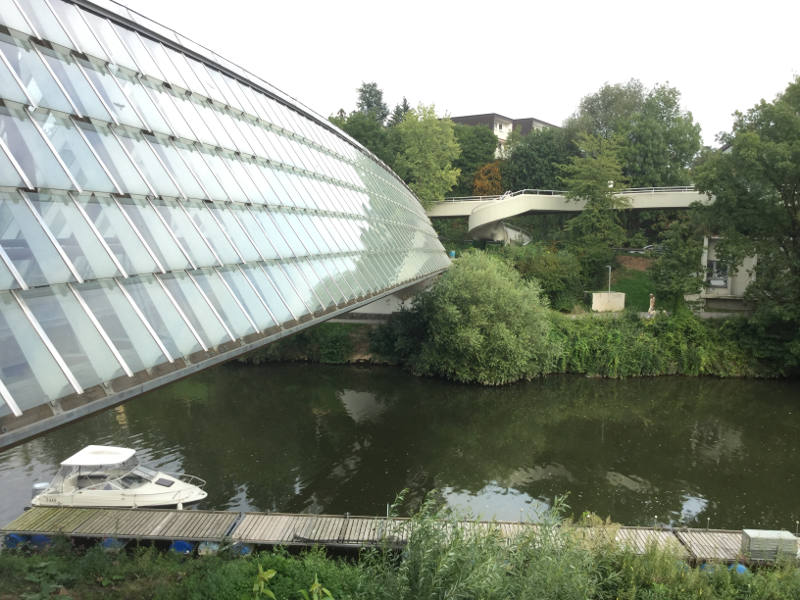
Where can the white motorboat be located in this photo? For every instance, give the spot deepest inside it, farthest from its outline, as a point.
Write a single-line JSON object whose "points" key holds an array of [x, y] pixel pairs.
{"points": [[108, 476]]}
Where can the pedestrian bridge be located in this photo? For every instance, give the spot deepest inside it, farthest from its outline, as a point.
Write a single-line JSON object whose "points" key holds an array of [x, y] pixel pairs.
{"points": [[486, 213], [163, 210]]}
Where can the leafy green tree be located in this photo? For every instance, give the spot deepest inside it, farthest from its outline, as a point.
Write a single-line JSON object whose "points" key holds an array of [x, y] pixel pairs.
{"points": [[428, 148], [480, 323], [478, 145], [755, 183], [676, 270], [657, 139], [370, 102], [595, 178], [369, 132], [558, 272], [533, 160]]}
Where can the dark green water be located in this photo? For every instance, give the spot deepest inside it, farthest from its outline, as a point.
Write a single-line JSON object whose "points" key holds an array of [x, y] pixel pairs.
{"points": [[309, 438]]}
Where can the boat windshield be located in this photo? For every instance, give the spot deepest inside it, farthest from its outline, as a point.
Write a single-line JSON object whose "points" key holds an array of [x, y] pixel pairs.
{"points": [[126, 474]]}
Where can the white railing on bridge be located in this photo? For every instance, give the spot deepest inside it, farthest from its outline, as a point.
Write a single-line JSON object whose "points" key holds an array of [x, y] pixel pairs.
{"points": [[536, 192]]}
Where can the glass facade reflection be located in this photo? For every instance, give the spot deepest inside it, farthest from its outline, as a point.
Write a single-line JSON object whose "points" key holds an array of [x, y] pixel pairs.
{"points": [[161, 208]]}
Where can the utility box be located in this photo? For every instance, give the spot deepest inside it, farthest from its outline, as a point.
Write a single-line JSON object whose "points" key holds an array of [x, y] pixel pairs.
{"points": [[767, 544], [608, 301]]}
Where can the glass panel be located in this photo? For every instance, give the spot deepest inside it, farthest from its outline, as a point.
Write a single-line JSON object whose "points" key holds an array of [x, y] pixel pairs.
{"points": [[189, 110], [345, 293], [272, 232], [195, 308], [78, 88], [250, 223], [211, 118], [102, 29], [7, 281], [117, 233], [148, 164], [74, 236], [187, 235], [45, 22], [9, 176], [162, 60], [208, 76], [223, 173], [176, 167], [30, 69], [155, 234], [306, 231], [321, 291], [135, 46], [141, 100], [201, 169], [110, 152], [27, 369], [221, 82], [203, 218], [242, 177], [13, 19], [329, 278], [247, 297], [268, 292], [77, 28], [285, 226], [27, 245], [274, 190], [225, 215], [73, 335], [225, 304], [263, 192], [240, 135], [11, 90], [113, 96], [303, 285], [162, 315], [178, 61], [288, 292], [166, 103], [122, 324], [74, 152]]}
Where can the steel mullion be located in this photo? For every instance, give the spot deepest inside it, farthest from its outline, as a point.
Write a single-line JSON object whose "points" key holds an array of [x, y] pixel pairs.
{"points": [[96, 37], [280, 264], [139, 235], [144, 320], [211, 306], [164, 166], [51, 237], [236, 299], [18, 80], [191, 170], [125, 95], [233, 176], [266, 237], [48, 344], [278, 292], [54, 152], [155, 104], [171, 233], [296, 261], [9, 400], [196, 145], [127, 48], [247, 233], [307, 260], [200, 233], [101, 331], [224, 231], [14, 163], [57, 80], [183, 316], [99, 160], [258, 295], [63, 27], [99, 236], [13, 269]]}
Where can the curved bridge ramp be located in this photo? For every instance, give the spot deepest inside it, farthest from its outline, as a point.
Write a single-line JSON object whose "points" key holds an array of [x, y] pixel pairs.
{"points": [[486, 213]]}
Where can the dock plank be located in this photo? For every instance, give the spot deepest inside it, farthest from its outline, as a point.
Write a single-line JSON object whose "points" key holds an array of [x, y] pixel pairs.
{"points": [[713, 545]]}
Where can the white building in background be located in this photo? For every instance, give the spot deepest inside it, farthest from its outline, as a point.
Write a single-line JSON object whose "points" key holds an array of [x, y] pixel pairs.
{"points": [[724, 287], [502, 126]]}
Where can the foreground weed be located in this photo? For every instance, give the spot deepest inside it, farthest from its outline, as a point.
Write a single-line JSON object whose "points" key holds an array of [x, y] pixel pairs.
{"points": [[260, 587], [316, 591]]}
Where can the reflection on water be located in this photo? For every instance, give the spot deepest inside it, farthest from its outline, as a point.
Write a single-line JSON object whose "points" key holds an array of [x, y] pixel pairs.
{"points": [[339, 439]]}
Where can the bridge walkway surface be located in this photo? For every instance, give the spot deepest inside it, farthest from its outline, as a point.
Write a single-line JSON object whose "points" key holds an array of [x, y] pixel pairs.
{"points": [[334, 531]]}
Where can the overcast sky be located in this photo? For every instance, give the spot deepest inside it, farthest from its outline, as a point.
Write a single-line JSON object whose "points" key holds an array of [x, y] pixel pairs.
{"points": [[519, 59]]}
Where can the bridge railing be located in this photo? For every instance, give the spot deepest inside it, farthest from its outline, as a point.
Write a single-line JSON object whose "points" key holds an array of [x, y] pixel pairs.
{"points": [[537, 192]]}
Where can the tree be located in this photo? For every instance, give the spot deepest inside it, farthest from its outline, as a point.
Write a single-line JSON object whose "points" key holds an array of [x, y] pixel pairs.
{"points": [[595, 178], [676, 270], [657, 139], [399, 112], [428, 148], [478, 145], [488, 181], [533, 160], [480, 323], [370, 102], [368, 132], [755, 183]]}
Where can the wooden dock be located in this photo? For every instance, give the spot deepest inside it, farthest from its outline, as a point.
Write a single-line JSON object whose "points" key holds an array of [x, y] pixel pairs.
{"points": [[304, 530]]}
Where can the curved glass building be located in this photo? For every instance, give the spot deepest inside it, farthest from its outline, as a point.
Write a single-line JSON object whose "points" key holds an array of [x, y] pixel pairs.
{"points": [[162, 210]]}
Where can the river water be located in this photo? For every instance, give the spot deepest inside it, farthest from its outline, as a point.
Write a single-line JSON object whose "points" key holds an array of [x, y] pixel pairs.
{"points": [[324, 439]]}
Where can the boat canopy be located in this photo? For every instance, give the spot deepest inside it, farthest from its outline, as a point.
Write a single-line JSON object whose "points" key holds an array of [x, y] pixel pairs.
{"points": [[92, 456]]}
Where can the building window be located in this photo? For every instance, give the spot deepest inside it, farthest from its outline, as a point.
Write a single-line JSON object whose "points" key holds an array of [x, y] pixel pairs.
{"points": [[716, 274]]}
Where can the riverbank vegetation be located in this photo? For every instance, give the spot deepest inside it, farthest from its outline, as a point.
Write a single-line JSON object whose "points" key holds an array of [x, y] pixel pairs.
{"points": [[556, 560]]}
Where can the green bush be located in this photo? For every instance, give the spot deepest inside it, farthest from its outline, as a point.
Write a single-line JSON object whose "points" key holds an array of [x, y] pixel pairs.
{"points": [[329, 343], [556, 271]]}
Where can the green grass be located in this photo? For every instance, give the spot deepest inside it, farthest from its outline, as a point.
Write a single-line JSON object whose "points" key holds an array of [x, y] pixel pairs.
{"points": [[637, 286]]}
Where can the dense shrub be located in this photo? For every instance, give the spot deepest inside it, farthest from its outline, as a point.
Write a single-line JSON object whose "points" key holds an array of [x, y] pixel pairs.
{"points": [[556, 271], [329, 343]]}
